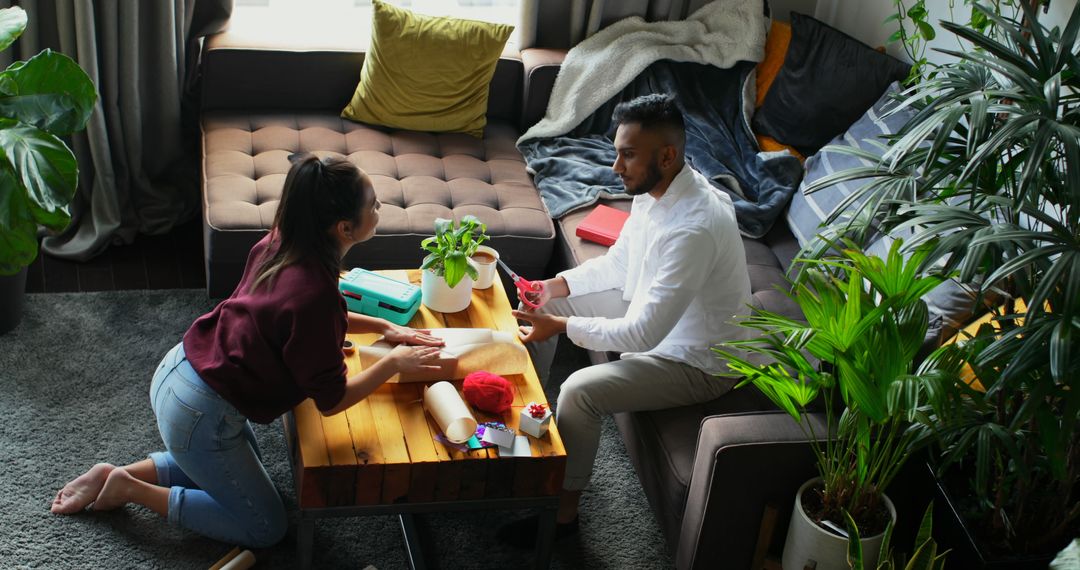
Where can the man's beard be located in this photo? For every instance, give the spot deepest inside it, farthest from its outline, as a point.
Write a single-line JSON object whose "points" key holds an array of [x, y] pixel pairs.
{"points": [[652, 177]]}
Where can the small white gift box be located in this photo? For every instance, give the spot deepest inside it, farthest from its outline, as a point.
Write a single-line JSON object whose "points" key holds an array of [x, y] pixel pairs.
{"points": [[535, 419]]}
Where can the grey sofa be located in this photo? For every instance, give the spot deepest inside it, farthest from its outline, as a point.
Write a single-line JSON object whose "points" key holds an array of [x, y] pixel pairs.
{"points": [[263, 100]]}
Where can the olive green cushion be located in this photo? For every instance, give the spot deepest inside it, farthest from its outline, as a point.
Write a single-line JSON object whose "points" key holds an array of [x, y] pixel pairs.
{"points": [[427, 73]]}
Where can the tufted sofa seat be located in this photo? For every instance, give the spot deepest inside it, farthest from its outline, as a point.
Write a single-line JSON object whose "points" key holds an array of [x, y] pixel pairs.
{"points": [[252, 121], [418, 177]]}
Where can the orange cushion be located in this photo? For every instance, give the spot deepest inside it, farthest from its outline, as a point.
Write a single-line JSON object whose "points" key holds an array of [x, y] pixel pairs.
{"points": [[776, 46], [769, 144], [967, 374]]}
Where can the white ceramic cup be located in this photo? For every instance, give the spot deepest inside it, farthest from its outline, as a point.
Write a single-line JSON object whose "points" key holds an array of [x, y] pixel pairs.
{"points": [[486, 271]]}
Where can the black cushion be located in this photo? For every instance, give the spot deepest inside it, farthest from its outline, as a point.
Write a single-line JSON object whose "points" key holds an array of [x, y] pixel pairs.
{"points": [[828, 80]]}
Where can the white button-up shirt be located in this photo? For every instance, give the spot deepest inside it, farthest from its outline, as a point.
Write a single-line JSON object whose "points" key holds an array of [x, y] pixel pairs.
{"points": [[680, 263]]}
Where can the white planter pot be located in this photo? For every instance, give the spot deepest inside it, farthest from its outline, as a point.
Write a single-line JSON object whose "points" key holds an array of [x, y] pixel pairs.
{"points": [[438, 296], [808, 541]]}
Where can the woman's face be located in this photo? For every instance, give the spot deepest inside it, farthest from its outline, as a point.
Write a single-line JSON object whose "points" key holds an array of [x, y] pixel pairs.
{"points": [[369, 214]]}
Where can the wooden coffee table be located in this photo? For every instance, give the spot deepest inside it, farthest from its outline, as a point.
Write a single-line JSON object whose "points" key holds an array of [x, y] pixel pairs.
{"points": [[381, 457]]}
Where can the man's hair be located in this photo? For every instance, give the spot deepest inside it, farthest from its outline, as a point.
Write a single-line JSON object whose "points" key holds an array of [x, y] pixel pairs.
{"points": [[653, 112]]}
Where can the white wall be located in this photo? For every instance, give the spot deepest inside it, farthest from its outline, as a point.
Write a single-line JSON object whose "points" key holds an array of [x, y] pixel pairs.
{"points": [[863, 19]]}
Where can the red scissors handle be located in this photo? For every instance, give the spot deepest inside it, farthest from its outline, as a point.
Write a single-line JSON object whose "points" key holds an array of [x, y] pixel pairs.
{"points": [[525, 286]]}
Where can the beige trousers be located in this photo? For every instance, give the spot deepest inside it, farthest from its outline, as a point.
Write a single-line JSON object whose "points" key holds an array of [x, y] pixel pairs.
{"points": [[633, 384]]}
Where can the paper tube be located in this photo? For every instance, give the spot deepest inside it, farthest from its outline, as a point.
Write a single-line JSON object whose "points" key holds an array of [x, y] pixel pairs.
{"points": [[226, 559], [243, 561], [466, 351], [449, 411]]}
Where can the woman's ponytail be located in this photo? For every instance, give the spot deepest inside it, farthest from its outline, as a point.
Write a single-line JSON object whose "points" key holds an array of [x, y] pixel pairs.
{"points": [[317, 194]]}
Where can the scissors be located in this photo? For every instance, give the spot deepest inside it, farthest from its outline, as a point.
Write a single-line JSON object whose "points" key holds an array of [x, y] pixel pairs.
{"points": [[524, 286]]}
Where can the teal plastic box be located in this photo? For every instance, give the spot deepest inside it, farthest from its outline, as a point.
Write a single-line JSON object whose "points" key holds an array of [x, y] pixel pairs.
{"points": [[377, 295]]}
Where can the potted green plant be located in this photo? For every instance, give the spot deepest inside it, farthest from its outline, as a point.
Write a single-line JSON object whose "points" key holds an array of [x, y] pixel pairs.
{"points": [[988, 171], [448, 272], [865, 322], [924, 557], [41, 100]]}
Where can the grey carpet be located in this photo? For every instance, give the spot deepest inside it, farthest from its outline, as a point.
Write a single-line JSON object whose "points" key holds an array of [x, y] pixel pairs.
{"points": [[74, 380]]}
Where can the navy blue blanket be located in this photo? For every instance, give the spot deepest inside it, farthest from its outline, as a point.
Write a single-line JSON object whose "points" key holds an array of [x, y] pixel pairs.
{"points": [[574, 171]]}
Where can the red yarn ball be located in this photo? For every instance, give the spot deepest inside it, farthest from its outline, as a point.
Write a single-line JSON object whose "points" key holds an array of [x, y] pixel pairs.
{"points": [[488, 392]]}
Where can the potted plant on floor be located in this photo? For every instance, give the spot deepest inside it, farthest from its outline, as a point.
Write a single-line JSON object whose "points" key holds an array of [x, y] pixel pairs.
{"points": [[41, 100], [448, 273], [989, 171], [924, 556], [865, 321]]}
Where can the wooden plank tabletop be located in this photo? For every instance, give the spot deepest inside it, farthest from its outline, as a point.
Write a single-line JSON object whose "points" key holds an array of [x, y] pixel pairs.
{"points": [[383, 450]]}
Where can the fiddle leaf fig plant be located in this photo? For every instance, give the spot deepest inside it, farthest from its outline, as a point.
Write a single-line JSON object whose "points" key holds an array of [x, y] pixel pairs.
{"points": [[451, 247], [41, 100]]}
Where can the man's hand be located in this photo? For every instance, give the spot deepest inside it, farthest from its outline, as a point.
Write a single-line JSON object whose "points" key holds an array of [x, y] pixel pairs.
{"points": [[544, 326], [396, 334], [554, 287], [405, 358]]}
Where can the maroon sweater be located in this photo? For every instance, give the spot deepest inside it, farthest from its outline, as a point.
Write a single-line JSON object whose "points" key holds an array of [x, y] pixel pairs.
{"points": [[265, 352]]}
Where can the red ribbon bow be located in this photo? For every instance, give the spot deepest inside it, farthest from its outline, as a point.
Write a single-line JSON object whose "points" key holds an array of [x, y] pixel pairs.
{"points": [[537, 411]]}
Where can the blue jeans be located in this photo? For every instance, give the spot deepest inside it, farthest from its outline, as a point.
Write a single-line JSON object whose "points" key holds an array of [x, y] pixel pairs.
{"points": [[219, 487]]}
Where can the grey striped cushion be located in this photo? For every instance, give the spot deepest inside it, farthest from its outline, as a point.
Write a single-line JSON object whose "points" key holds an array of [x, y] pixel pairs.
{"points": [[951, 304], [808, 211]]}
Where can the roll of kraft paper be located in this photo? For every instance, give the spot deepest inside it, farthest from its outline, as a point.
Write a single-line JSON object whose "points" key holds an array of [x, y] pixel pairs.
{"points": [[235, 560], [242, 562], [450, 412]]}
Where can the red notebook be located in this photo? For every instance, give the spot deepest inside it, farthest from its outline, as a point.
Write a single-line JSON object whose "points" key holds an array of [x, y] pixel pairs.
{"points": [[602, 225]]}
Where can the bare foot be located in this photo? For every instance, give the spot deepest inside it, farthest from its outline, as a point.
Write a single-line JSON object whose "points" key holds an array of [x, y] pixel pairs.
{"points": [[115, 492], [81, 491]]}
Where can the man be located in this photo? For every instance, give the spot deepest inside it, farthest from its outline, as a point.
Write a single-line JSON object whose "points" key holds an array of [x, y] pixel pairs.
{"points": [[663, 294]]}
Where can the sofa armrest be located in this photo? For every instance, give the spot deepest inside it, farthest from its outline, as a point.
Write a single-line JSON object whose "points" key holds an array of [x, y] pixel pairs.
{"points": [[743, 463], [541, 66]]}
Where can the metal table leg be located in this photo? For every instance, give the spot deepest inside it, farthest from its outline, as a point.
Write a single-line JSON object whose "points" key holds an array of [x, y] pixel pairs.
{"points": [[412, 541], [545, 536], [305, 540]]}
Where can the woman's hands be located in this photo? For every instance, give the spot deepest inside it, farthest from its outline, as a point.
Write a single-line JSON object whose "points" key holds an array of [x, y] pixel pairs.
{"points": [[396, 334], [415, 347], [403, 358], [406, 358]]}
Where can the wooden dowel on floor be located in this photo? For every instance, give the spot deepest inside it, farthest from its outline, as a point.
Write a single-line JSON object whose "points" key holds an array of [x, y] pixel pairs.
{"points": [[243, 561], [765, 536], [226, 559]]}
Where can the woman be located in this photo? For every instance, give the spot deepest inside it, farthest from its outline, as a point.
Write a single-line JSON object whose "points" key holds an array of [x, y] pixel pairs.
{"points": [[276, 341]]}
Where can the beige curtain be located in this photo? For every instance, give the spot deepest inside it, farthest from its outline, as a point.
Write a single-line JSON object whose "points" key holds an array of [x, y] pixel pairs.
{"points": [[564, 23], [137, 157]]}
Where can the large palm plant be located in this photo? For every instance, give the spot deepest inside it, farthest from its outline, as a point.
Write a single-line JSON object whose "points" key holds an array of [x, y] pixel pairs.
{"points": [[865, 320], [988, 171]]}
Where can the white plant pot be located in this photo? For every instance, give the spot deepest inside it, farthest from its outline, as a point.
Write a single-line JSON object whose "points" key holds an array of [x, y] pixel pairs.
{"points": [[438, 296], [808, 541]]}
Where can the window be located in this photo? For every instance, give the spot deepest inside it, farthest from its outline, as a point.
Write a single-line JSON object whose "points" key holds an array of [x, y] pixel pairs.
{"points": [[348, 22]]}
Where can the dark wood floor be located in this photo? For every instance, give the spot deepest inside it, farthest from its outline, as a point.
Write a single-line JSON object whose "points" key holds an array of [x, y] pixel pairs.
{"points": [[169, 261]]}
